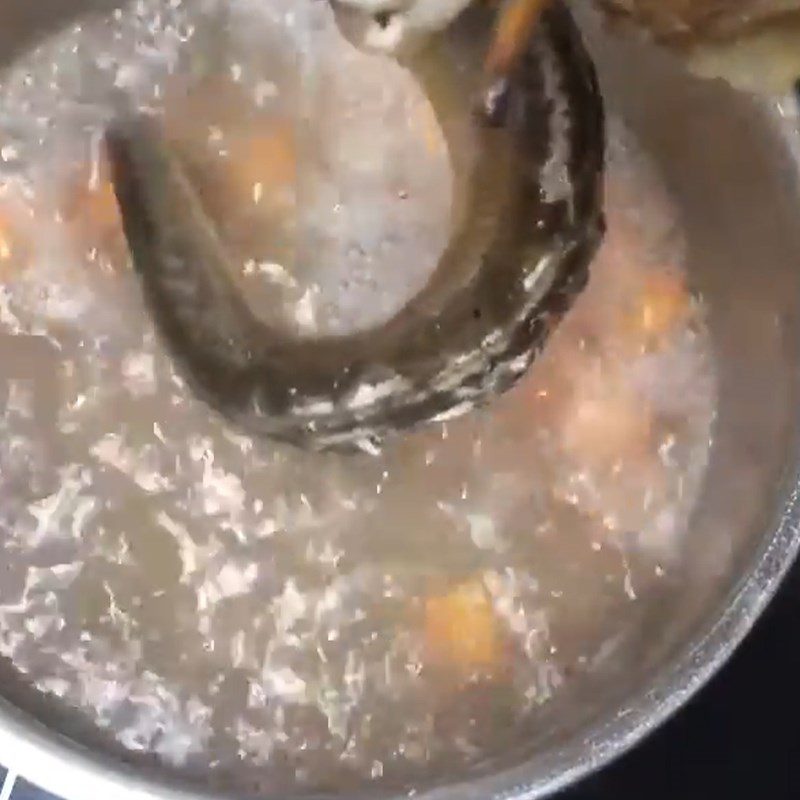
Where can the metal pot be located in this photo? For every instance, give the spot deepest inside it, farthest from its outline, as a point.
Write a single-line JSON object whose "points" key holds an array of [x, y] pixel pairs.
{"points": [[731, 163]]}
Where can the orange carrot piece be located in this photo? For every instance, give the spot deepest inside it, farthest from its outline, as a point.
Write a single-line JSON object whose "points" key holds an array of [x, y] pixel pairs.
{"points": [[660, 307], [91, 211], [14, 242], [461, 630]]}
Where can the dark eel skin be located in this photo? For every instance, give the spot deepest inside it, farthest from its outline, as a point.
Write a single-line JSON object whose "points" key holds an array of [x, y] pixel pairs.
{"points": [[473, 331]]}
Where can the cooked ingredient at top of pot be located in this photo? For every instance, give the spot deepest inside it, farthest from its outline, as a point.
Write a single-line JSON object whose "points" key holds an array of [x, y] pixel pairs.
{"points": [[686, 19], [753, 44], [285, 619]]}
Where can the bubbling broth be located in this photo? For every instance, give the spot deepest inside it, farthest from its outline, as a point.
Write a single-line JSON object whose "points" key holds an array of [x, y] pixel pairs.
{"points": [[240, 608]]}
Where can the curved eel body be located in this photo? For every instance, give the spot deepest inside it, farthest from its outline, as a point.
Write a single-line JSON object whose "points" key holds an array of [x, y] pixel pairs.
{"points": [[511, 269]]}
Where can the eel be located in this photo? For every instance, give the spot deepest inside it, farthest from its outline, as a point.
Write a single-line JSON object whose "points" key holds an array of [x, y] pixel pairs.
{"points": [[511, 270]]}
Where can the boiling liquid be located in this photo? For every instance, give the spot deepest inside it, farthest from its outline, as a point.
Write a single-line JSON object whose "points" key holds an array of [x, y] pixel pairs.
{"points": [[272, 616]]}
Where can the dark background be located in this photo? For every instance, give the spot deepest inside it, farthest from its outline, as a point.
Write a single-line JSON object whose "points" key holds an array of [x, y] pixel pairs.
{"points": [[739, 738]]}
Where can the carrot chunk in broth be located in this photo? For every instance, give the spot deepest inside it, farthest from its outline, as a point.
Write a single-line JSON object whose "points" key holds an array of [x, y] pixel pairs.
{"points": [[607, 422], [461, 630], [661, 307], [256, 153], [263, 164], [91, 212], [8, 245], [14, 244]]}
